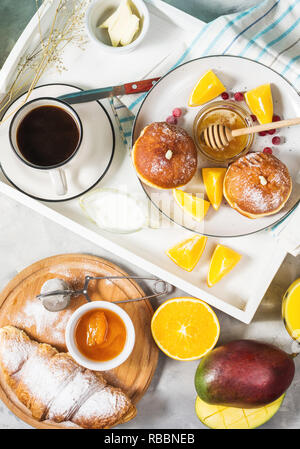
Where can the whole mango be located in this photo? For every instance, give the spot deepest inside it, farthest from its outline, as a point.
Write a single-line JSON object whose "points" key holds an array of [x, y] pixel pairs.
{"points": [[245, 374]]}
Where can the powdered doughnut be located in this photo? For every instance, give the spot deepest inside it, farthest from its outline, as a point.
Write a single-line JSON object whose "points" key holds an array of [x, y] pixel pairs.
{"points": [[164, 156], [257, 185]]}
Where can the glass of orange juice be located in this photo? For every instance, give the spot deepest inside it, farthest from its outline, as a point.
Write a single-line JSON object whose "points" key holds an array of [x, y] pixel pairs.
{"points": [[291, 311]]}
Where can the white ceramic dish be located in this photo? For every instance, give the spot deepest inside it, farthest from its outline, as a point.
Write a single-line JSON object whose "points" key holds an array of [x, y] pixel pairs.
{"points": [[100, 10], [91, 364], [83, 171], [237, 74]]}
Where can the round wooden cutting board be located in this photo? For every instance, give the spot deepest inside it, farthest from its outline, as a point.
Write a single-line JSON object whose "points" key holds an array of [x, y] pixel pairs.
{"points": [[18, 307]]}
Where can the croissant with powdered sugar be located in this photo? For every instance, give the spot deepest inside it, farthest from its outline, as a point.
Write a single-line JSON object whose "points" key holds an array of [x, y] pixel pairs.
{"points": [[54, 387]]}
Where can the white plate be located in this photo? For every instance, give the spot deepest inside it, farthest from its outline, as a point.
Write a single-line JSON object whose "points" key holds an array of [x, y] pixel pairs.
{"points": [[85, 169], [237, 74]]}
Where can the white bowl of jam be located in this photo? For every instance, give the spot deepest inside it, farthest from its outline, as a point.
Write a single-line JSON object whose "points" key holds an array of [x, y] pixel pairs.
{"points": [[100, 335]]}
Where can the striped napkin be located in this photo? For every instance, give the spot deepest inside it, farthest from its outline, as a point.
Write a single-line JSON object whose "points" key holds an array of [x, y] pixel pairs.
{"points": [[268, 32]]}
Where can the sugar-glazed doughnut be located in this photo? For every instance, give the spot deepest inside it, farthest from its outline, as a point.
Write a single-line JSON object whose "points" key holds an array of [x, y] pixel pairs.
{"points": [[257, 184]]}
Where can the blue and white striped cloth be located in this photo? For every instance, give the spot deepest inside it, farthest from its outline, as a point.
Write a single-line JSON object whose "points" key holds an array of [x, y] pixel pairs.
{"points": [[268, 32]]}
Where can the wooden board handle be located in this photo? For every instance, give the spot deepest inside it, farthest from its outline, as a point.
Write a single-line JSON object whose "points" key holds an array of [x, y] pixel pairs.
{"points": [[140, 86], [266, 127]]}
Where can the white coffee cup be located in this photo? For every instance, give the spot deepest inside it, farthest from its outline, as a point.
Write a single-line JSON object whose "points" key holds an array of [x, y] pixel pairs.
{"points": [[56, 172]]}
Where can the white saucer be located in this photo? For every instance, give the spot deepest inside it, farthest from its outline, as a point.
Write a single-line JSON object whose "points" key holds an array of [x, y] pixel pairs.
{"points": [[85, 169], [237, 74]]}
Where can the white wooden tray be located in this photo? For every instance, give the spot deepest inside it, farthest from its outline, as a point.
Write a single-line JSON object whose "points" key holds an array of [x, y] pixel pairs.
{"points": [[240, 293]]}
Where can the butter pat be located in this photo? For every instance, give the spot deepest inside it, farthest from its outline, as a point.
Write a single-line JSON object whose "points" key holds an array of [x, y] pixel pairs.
{"points": [[122, 25], [130, 30]]}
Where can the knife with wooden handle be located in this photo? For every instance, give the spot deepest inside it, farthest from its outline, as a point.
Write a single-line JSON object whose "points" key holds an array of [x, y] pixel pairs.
{"points": [[98, 94]]}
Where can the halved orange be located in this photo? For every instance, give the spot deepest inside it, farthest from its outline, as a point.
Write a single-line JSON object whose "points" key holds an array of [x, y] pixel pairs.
{"points": [[260, 102], [213, 179], [223, 260], [185, 328], [207, 88], [186, 254], [191, 203]]}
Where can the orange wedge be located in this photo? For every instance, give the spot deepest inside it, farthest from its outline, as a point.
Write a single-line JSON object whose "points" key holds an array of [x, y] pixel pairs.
{"points": [[192, 204], [213, 180], [223, 260], [185, 328], [186, 254], [207, 88], [260, 102]]}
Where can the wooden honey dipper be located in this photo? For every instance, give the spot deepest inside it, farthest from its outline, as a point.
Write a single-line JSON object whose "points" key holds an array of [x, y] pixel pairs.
{"points": [[219, 136]]}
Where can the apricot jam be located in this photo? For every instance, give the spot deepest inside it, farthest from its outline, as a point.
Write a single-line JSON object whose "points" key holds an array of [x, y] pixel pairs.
{"points": [[100, 335], [224, 113]]}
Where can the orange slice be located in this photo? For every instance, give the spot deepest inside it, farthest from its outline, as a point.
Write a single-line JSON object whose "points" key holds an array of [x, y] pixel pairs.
{"points": [[191, 203], [222, 262], [207, 88], [213, 180], [185, 328], [186, 254], [260, 103], [220, 417]]}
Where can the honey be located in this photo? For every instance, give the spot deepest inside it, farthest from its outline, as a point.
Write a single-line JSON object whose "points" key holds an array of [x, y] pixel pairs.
{"points": [[223, 113], [100, 335]]}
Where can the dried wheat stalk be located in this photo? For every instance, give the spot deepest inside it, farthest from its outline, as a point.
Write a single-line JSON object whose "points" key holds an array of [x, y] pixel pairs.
{"points": [[66, 26]]}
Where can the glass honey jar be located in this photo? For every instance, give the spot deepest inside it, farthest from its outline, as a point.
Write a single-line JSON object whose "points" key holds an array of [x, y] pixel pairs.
{"points": [[230, 114]]}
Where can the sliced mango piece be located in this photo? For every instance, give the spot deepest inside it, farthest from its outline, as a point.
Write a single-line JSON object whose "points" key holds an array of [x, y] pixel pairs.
{"points": [[223, 260], [213, 180], [191, 204], [219, 417], [186, 254], [260, 102], [207, 88]]}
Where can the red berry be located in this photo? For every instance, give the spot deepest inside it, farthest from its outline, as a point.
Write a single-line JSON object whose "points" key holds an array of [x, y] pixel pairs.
{"points": [[267, 150], [271, 131], [253, 117], [177, 112], [239, 96], [225, 95], [263, 133], [276, 140], [276, 118], [171, 120]]}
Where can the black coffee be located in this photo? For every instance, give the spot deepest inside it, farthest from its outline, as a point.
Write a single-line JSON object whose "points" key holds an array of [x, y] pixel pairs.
{"points": [[47, 136]]}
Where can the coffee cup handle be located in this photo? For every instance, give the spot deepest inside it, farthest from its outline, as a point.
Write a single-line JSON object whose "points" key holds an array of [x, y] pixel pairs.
{"points": [[59, 182]]}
